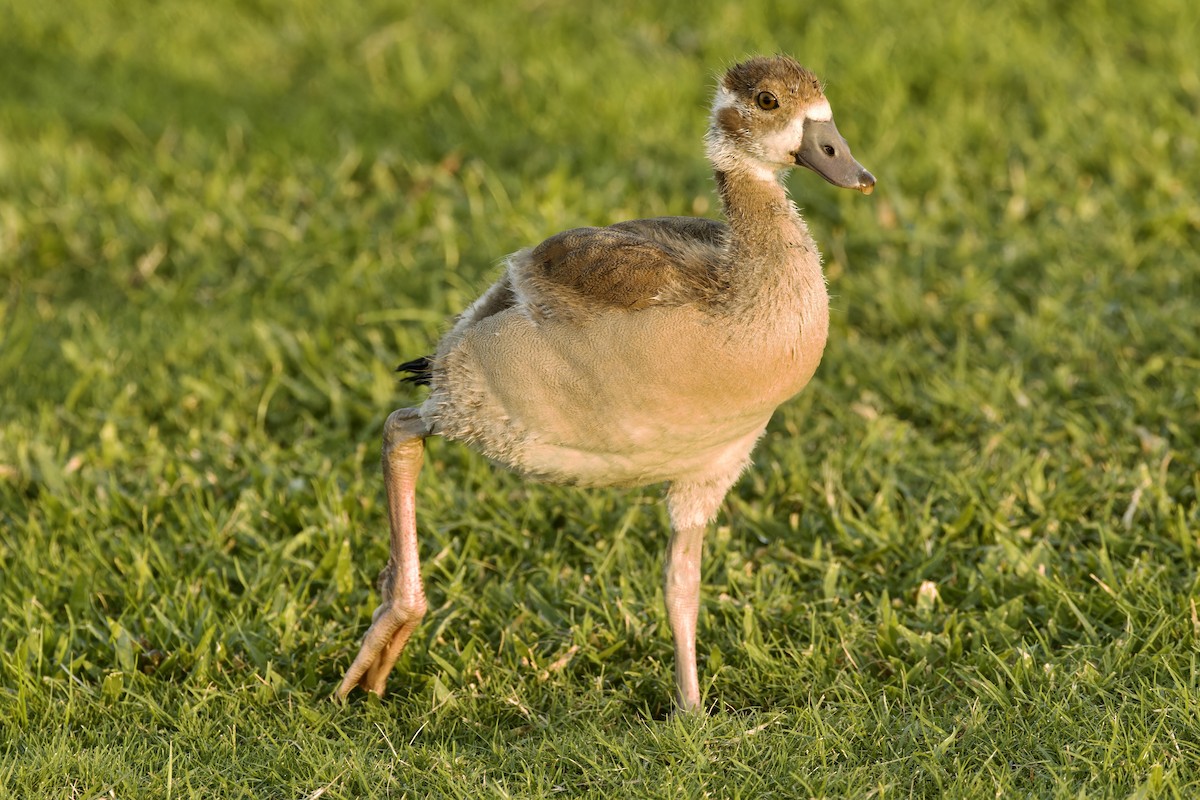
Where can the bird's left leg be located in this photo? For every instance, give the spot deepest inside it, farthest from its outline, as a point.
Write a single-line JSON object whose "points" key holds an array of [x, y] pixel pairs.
{"points": [[403, 596]]}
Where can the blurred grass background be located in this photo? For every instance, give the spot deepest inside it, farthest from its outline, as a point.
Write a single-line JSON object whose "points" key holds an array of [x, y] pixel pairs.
{"points": [[963, 565]]}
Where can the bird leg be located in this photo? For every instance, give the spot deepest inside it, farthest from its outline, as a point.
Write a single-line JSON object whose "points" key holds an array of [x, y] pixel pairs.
{"points": [[692, 505], [682, 590], [402, 595]]}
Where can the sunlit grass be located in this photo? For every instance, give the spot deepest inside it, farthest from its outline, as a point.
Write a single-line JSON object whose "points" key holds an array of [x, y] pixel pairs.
{"points": [[962, 565]]}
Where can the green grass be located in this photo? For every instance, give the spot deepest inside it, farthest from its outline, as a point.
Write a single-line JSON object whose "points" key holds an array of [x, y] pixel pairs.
{"points": [[963, 564]]}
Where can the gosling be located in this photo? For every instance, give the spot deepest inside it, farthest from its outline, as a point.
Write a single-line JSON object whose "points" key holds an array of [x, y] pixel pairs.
{"points": [[650, 351]]}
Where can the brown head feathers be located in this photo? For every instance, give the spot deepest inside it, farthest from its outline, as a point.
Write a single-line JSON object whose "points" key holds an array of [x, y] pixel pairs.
{"points": [[782, 75]]}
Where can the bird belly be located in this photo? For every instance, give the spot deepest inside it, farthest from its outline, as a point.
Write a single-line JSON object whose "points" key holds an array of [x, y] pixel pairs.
{"points": [[637, 400], [631, 456]]}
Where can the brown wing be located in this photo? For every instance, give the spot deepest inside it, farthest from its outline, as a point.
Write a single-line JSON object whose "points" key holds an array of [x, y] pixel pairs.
{"points": [[629, 265], [676, 232]]}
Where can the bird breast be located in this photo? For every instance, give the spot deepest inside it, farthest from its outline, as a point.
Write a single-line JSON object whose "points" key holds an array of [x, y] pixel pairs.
{"points": [[628, 399]]}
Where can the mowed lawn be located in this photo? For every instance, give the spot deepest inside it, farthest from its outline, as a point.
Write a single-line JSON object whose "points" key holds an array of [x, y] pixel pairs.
{"points": [[962, 565]]}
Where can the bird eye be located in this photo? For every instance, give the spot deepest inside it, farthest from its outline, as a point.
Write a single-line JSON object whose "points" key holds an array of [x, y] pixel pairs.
{"points": [[767, 101], [829, 151]]}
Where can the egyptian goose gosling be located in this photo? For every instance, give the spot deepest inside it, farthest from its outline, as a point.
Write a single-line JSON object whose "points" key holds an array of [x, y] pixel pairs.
{"points": [[650, 351]]}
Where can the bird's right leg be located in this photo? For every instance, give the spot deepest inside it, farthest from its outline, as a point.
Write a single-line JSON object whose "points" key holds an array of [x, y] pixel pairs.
{"points": [[692, 504], [403, 596]]}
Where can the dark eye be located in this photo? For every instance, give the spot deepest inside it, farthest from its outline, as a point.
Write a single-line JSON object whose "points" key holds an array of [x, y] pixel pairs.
{"points": [[829, 151], [767, 101]]}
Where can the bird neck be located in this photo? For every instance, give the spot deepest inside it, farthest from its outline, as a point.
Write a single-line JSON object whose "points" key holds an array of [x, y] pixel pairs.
{"points": [[770, 246]]}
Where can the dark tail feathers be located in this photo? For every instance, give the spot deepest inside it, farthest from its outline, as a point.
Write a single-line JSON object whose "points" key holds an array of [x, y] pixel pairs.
{"points": [[420, 369]]}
